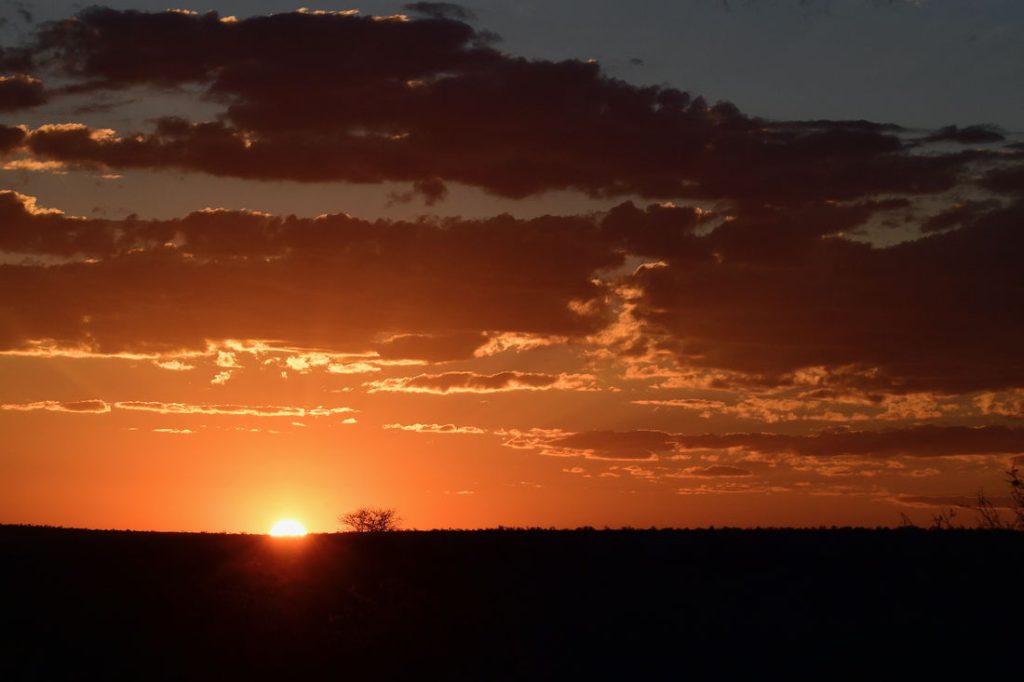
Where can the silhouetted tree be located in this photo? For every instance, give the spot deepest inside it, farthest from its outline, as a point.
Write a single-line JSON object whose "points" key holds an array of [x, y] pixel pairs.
{"points": [[371, 520], [989, 514], [944, 520], [1016, 496]]}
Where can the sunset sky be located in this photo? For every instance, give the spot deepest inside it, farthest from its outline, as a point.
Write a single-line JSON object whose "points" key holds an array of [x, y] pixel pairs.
{"points": [[559, 263]]}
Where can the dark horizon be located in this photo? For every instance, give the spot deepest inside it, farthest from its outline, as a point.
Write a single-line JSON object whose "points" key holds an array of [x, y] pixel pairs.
{"points": [[505, 605]]}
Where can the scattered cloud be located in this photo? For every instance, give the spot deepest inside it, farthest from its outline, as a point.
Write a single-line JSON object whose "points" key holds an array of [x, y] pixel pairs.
{"points": [[421, 102], [471, 382], [21, 92], [714, 471], [436, 428], [175, 365], [72, 406], [918, 441], [230, 410], [221, 378], [761, 274], [183, 275], [613, 445]]}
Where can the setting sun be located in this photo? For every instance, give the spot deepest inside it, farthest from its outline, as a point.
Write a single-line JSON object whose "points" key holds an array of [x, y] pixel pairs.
{"points": [[287, 528]]}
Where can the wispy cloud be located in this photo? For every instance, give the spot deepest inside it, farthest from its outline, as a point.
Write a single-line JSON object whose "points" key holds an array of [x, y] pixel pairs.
{"points": [[72, 406], [231, 410], [472, 382], [436, 428]]}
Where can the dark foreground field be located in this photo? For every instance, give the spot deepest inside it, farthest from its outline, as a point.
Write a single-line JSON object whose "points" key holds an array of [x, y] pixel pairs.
{"points": [[508, 604]]}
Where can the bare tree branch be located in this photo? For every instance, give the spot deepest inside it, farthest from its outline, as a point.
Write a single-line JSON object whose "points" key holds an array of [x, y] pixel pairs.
{"points": [[371, 520]]}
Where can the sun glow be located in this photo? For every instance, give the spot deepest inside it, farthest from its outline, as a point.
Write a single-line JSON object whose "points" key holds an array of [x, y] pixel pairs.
{"points": [[287, 528]]}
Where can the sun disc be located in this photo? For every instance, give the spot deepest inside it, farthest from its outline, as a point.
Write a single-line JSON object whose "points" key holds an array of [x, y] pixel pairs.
{"points": [[287, 528]]}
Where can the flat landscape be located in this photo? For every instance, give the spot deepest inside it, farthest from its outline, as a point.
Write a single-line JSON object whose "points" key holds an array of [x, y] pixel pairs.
{"points": [[506, 604]]}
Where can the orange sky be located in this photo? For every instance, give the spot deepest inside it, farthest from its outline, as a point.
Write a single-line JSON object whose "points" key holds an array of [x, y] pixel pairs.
{"points": [[393, 265]]}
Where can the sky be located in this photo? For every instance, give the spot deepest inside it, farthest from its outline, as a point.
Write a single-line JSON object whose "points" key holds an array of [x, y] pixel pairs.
{"points": [[744, 263]]}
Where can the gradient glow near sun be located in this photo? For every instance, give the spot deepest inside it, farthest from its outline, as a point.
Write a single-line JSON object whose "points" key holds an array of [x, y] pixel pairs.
{"points": [[287, 528]]}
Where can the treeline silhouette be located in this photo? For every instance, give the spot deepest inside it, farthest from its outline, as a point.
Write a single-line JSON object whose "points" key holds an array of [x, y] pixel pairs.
{"points": [[507, 604]]}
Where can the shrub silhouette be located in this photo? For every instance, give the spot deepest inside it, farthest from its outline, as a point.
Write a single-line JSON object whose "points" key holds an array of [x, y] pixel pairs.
{"points": [[1016, 495], [371, 520], [989, 514]]}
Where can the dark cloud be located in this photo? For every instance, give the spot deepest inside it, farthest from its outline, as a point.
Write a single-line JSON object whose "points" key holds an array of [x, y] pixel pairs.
{"points": [[1005, 180], [614, 444], [770, 282], [29, 229], [21, 92], [920, 441], [430, 190], [977, 134], [433, 348], [332, 96], [659, 230], [774, 291], [423, 289], [958, 214], [473, 382], [11, 138], [767, 293], [717, 471]]}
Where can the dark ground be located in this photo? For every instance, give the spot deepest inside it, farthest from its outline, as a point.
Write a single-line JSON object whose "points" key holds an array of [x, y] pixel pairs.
{"points": [[522, 605]]}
